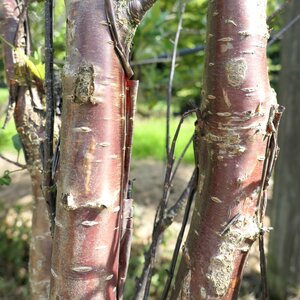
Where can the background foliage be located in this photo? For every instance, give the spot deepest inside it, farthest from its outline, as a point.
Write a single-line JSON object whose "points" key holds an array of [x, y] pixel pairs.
{"points": [[154, 38]]}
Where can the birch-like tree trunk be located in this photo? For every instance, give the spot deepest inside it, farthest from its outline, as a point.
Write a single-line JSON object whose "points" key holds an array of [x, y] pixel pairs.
{"points": [[26, 105], [235, 110], [284, 250], [93, 172]]}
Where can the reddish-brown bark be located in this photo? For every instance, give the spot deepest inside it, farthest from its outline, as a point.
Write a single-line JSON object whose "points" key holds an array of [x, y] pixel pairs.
{"points": [[95, 150], [235, 108], [23, 98], [86, 240]]}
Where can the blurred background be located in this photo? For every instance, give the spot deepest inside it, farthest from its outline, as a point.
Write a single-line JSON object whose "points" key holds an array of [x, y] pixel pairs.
{"points": [[151, 61]]}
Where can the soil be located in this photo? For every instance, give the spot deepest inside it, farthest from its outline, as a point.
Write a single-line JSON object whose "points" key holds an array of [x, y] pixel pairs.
{"points": [[147, 192]]}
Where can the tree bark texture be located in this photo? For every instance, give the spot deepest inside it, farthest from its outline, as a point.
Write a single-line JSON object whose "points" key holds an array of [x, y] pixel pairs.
{"points": [[26, 104], [236, 101], [284, 249], [98, 105]]}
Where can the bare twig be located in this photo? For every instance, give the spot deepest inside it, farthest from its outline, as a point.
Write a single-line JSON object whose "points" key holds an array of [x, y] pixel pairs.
{"points": [[160, 225], [173, 211], [283, 30], [179, 160], [172, 72], [13, 162], [55, 160], [278, 11], [263, 268], [17, 170], [170, 165], [166, 58], [50, 111], [189, 192], [271, 154]]}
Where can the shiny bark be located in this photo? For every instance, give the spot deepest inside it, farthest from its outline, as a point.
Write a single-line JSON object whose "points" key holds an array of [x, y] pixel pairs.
{"points": [[236, 100], [97, 116]]}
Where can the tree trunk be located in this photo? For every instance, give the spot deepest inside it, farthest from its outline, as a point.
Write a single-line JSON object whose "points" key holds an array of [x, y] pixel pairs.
{"points": [[284, 259], [26, 104], [93, 171], [235, 111]]}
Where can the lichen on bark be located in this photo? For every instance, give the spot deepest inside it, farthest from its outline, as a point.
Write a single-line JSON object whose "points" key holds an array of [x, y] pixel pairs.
{"points": [[84, 84], [236, 69]]}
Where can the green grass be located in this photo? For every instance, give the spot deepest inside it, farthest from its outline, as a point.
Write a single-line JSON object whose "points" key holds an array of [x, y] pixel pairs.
{"points": [[3, 95], [6, 136], [150, 136]]}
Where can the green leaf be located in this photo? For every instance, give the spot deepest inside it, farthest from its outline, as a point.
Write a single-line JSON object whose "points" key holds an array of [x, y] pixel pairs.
{"points": [[36, 68], [17, 142], [5, 179]]}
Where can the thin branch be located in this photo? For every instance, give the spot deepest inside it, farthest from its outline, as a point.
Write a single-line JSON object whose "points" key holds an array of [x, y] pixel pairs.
{"points": [[50, 111], [278, 11], [166, 58], [179, 160], [263, 268], [17, 170], [283, 30], [176, 207], [190, 191], [160, 225], [170, 166], [172, 72], [271, 154], [13, 162]]}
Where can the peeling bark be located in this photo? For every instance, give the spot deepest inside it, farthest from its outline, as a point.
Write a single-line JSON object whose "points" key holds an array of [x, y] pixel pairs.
{"points": [[236, 101], [26, 104], [96, 134]]}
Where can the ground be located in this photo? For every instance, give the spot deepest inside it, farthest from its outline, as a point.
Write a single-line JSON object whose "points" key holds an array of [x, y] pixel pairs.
{"points": [[147, 193]]}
